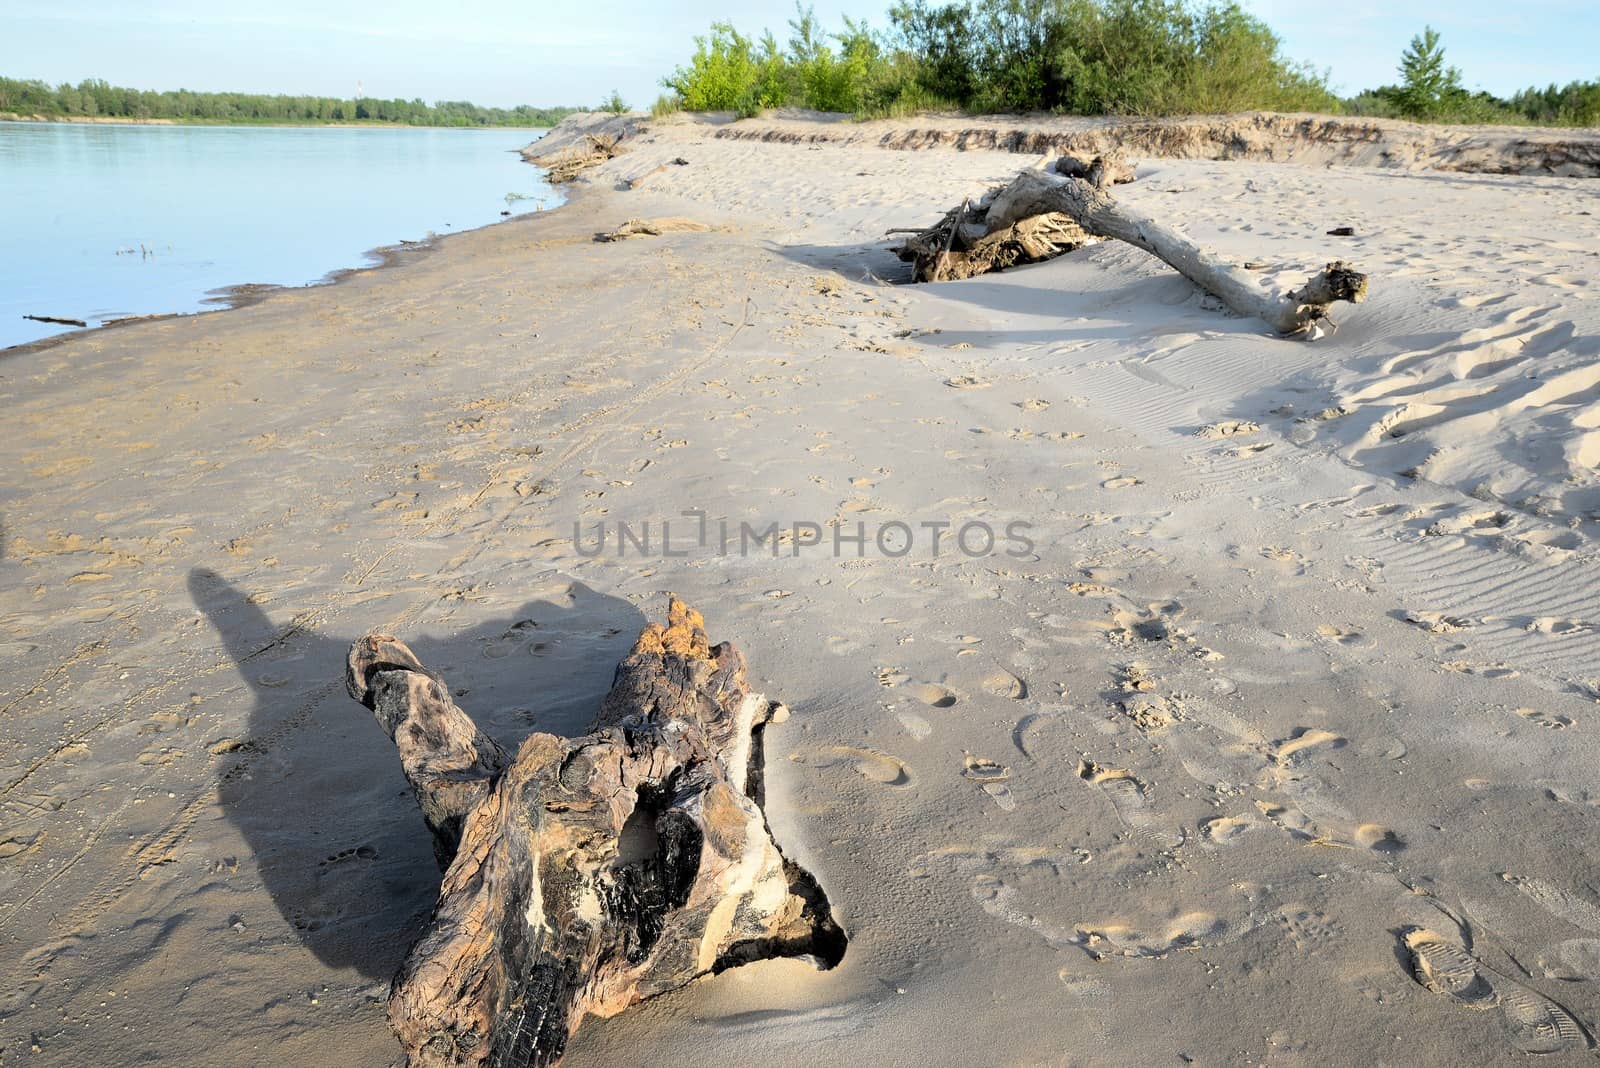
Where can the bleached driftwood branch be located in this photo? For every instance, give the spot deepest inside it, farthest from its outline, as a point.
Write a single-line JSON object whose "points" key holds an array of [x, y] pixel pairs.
{"points": [[1039, 192], [585, 874], [1043, 213]]}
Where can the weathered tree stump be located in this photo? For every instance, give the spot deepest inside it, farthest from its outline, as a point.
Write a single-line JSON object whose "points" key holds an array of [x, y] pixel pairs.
{"points": [[585, 874]]}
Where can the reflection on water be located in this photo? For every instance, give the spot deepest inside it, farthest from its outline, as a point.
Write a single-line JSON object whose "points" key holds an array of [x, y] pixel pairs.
{"points": [[101, 221]]}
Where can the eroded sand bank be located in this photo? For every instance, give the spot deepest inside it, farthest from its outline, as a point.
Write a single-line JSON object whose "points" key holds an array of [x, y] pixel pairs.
{"points": [[1294, 698]]}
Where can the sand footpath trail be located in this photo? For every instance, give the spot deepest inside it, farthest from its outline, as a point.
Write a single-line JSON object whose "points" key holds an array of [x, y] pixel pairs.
{"points": [[1280, 747]]}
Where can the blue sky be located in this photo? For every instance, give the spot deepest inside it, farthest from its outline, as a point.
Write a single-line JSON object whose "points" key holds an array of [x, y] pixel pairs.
{"points": [[513, 51]]}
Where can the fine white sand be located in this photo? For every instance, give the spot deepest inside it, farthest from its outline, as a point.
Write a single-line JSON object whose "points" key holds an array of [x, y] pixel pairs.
{"points": [[1281, 746]]}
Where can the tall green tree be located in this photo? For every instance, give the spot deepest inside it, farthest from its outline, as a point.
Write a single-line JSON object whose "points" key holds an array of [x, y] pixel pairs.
{"points": [[1427, 85]]}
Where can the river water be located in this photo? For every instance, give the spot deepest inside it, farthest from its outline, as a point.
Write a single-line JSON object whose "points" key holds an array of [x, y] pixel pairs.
{"points": [[101, 221]]}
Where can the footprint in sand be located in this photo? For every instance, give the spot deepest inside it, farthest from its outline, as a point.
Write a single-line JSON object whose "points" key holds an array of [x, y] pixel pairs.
{"points": [[512, 639], [364, 852], [1155, 623], [1339, 635], [1446, 967], [991, 776], [1130, 799], [1560, 628], [1307, 928], [1001, 683], [1093, 589], [1562, 904], [966, 382], [1302, 828], [1305, 743], [932, 694], [1469, 523], [1228, 428], [1028, 887], [1533, 1022], [871, 765], [1547, 720], [1488, 671], [1285, 557], [1438, 622], [1190, 930], [919, 728], [1573, 960], [1226, 830], [1120, 482]]}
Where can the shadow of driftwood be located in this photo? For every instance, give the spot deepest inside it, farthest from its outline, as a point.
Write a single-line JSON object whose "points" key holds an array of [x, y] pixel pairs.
{"points": [[866, 262], [315, 788]]}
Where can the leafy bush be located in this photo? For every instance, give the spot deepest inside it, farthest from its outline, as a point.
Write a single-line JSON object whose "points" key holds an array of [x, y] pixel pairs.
{"points": [[615, 104], [728, 73], [944, 47], [1082, 56], [1165, 57]]}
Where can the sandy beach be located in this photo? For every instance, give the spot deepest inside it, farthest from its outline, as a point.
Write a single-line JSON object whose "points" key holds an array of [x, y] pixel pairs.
{"points": [[1284, 723]]}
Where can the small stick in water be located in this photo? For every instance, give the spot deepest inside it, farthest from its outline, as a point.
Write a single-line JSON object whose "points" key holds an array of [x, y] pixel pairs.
{"points": [[53, 319]]}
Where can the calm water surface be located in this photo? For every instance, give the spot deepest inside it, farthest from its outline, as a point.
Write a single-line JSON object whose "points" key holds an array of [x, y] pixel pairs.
{"points": [[98, 222]]}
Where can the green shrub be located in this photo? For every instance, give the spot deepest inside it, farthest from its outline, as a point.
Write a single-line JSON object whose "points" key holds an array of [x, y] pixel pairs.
{"points": [[1081, 56], [1085, 57], [615, 104], [945, 50], [728, 73]]}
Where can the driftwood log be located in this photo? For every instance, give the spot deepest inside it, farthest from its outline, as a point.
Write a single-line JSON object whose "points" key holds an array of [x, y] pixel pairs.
{"points": [[652, 228], [965, 243], [585, 874], [1085, 203]]}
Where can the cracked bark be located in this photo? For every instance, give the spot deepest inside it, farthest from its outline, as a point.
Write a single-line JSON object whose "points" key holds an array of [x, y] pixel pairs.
{"points": [[586, 874]]}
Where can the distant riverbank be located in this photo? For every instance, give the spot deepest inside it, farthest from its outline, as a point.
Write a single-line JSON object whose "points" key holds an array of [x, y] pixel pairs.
{"points": [[96, 100], [11, 116]]}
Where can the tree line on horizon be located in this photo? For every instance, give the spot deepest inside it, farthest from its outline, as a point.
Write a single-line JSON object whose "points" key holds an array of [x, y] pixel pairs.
{"points": [[1078, 57], [93, 98]]}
